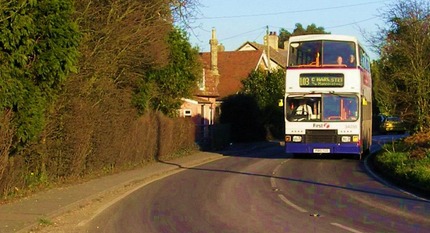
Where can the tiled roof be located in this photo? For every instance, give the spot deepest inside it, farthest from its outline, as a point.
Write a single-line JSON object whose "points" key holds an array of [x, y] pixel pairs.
{"points": [[280, 56], [233, 67]]}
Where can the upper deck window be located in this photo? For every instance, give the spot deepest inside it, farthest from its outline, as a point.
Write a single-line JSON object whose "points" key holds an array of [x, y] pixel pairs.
{"points": [[323, 53]]}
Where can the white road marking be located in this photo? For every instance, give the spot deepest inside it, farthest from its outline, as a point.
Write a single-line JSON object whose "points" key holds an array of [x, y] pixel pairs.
{"points": [[273, 182], [282, 197], [288, 202], [273, 179], [345, 227], [277, 168]]}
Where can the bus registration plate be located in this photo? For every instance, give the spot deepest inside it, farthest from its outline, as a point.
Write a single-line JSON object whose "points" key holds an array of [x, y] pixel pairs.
{"points": [[321, 150]]}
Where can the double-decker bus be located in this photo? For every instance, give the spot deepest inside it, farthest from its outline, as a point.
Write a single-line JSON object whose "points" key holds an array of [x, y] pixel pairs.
{"points": [[328, 96]]}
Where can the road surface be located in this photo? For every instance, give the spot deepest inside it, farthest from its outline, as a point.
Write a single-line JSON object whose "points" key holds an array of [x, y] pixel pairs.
{"points": [[268, 191]]}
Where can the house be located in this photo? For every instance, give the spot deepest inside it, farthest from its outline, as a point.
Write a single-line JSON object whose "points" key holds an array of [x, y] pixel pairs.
{"points": [[232, 66], [223, 72], [202, 107], [235, 66], [276, 55]]}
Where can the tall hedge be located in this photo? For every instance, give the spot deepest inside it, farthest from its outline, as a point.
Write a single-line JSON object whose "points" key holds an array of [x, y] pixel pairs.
{"points": [[38, 49], [163, 88]]}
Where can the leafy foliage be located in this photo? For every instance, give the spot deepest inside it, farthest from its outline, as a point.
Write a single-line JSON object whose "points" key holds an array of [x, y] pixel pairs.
{"points": [[418, 145], [38, 50], [284, 35], [267, 89], [6, 136], [163, 88], [383, 91], [397, 164], [83, 132], [401, 86], [405, 48]]}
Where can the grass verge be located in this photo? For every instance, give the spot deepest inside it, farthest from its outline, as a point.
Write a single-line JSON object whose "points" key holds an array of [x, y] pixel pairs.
{"points": [[410, 173]]}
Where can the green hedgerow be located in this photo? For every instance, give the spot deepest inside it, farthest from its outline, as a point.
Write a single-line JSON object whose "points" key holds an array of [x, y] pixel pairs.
{"points": [[403, 167]]}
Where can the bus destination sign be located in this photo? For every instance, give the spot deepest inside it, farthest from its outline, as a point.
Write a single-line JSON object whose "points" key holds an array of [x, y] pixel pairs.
{"points": [[321, 80]]}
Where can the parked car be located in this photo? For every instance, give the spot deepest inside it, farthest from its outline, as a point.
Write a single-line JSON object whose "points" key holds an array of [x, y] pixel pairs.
{"points": [[392, 123]]}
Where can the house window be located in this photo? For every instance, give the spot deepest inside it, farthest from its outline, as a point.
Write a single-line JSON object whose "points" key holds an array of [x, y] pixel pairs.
{"points": [[187, 112]]}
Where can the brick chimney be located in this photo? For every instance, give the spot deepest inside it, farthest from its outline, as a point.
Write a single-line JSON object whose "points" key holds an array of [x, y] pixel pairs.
{"points": [[214, 52], [221, 48], [272, 40], [286, 45]]}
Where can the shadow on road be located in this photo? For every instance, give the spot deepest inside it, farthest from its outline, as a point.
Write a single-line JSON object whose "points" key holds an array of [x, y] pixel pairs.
{"points": [[274, 150], [266, 150], [310, 182]]}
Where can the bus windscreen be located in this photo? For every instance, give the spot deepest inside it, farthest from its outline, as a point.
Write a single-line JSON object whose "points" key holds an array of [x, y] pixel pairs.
{"points": [[325, 107]]}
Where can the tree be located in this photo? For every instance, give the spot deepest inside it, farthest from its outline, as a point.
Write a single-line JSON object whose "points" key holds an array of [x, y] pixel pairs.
{"points": [[163, 88], [383, 92], [184, 11], [405, 50], [122, 38], [267, 89], [284, 35], [38, 50]]}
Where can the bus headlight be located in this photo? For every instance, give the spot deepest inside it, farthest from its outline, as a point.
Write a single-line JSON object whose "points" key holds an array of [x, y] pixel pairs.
{"points": [[355, 138], [346, 138], [297, 138], [350, 138]]}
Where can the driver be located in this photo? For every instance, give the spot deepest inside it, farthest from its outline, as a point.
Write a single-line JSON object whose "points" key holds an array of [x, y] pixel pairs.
{"points": [[304, 109]]}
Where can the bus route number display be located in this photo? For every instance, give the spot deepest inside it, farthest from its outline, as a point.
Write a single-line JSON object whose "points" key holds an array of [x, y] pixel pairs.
{"points": [[321, 80]]}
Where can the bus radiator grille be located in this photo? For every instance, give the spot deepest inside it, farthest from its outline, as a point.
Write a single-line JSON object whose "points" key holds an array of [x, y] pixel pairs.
{"points": [[321, 136]]}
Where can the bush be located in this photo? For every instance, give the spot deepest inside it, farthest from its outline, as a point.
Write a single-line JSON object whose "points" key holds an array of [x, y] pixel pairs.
{"points": [[267, 88], [94, 131], [39, 49], [241, 112], [398, 164], [419, 144], [6, 136], [77, 126]]}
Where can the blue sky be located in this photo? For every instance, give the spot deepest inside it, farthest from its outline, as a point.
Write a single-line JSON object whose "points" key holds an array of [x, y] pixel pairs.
{"points": [[238, 21]]}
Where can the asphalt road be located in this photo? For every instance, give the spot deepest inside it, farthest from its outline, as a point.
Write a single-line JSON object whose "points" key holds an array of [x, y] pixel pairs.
{"points": [[268, 191]]}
